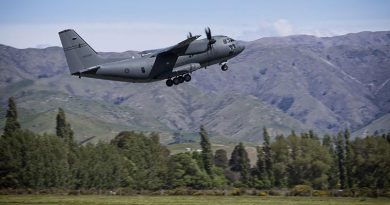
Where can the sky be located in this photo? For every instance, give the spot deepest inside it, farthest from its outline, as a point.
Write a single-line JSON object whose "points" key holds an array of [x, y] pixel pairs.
{"points": [[119, 25]]}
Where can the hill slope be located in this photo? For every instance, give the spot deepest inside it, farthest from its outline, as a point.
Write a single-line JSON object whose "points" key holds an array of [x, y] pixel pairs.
{"points": [[296, 82]]}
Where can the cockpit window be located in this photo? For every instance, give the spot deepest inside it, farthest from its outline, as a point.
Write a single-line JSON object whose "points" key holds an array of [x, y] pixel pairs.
{"points": [[227, 40]]}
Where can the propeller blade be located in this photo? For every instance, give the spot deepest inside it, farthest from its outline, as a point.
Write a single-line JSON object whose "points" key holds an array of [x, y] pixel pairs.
{"points": [[208, 33], [189, 35]]}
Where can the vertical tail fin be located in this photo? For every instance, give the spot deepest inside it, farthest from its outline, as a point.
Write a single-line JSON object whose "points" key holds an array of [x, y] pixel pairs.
{"points": [[78, 53]]}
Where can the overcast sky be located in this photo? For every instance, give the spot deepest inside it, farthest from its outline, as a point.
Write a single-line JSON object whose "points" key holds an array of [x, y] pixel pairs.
{"points": [[116, 25]]}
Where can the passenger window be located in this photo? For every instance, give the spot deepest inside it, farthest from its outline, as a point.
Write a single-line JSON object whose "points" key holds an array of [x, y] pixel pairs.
{"points": [[143, 70]]}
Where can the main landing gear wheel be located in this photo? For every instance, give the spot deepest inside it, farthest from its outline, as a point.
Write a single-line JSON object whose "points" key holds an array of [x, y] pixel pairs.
{"points": [[176, 81], [224, 67], [169, 82], [187, 78], [181, 79]]}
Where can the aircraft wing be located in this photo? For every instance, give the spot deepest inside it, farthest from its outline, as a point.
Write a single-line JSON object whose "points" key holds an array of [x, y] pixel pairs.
{"points": [[177, 49]]}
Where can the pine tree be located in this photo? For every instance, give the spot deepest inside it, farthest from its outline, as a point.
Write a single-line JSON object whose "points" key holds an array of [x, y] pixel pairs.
{"points": [[260, 169], [267, 156], [207, 153], [328, 143], [280, 156], [11, 123], [388, 137], [239, 162], [63, 129], [340, 150], [220, 159], [348, 158]]}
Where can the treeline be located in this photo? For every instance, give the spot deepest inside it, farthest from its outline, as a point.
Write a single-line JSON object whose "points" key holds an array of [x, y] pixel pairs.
{"points": [[136, 161]]}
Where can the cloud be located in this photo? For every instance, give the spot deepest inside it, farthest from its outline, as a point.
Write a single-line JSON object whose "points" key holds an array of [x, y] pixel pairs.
{"points": [[283, 27], [280, 27]]}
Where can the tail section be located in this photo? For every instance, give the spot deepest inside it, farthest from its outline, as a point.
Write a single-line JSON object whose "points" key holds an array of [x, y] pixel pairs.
{"points": [[78, 53]]}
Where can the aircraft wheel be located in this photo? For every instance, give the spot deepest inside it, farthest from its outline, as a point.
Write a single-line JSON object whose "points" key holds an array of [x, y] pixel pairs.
{"points": [[187, 78], [224, 67], [181, 79], [169, 82], [176, 81]]}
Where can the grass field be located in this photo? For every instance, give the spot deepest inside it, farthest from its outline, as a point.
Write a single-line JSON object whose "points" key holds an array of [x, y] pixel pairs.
{"points": [[176, 200]]}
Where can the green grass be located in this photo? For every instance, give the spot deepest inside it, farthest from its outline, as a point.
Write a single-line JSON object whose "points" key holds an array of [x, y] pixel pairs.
{"points": [[176, 200]]}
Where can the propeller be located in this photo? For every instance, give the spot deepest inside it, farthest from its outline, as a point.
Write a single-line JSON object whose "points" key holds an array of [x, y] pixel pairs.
{"points": [[209, 36], [189, 35]]}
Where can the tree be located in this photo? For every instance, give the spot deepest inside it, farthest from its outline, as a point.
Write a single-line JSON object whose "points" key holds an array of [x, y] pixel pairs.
{"points": [[239, 162], [147, 157], [280, 155], [207, 153], [340, 151], [63, 129], [220, 159], [267, 156], [184, 171], [11, 123], [371, 161], [328, 143], [348, 158]]}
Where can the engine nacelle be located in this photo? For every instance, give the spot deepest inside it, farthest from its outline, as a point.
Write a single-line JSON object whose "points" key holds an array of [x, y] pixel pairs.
{"points": [[197, 47]]}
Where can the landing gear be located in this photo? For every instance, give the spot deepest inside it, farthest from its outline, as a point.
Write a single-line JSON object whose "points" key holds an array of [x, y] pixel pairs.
{"points": [[169, 82], [224, 67], [187, 78], [178, 80], [181, 79]]}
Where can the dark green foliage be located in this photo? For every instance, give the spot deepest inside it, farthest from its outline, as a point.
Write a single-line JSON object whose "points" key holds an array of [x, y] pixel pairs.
{"points": [[184, 172], [207, 153], [138, 161], [63, 129], [280, 157], [260, 174], [220, 159], [239, 162], [348, 158], [197, 156], [333, 179], [102, 166], [340, 151], [30, 160], [371, 162], [309, 162], [268, 156], [148, 156], [11, 123]]}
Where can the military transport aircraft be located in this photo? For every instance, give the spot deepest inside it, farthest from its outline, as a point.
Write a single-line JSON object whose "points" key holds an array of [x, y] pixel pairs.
{"points": [[174, 63]]}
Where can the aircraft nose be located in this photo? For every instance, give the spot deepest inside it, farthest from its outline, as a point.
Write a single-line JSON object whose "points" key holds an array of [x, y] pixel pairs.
{"points": [[240, 47]]}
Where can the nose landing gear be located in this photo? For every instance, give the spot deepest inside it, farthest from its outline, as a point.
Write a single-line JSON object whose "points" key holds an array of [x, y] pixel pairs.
{"points": [[224, 66], [178, 80]]}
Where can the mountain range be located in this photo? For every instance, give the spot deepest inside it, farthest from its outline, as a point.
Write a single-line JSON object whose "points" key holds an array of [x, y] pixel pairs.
{"points": [[283, 83]]}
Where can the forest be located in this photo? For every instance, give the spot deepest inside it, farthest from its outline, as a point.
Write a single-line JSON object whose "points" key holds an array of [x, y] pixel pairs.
{"points": [[302, 164]]}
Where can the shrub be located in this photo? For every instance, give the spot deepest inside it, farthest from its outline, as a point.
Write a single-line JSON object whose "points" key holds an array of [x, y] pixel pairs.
{"points": [[235, 192], [320, 193], [302, 190], [262, 193]]}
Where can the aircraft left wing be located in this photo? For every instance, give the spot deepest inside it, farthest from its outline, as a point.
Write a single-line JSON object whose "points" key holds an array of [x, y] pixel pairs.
{"points": [[178, 49]]}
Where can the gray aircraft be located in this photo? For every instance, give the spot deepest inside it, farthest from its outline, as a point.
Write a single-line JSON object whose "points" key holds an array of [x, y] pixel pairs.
{"points": [[173, 64]]}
